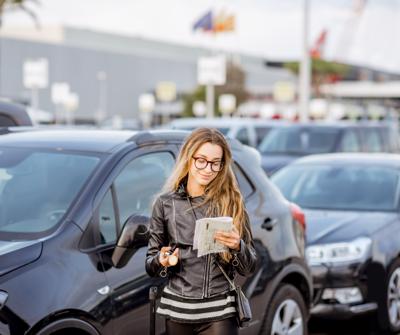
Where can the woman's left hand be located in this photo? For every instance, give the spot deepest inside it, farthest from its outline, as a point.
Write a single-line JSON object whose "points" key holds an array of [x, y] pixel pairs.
{"points": [[231, 240]]}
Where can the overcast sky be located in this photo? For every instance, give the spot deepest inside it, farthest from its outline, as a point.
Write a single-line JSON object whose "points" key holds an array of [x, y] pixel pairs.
{"points": [[269, 28]]}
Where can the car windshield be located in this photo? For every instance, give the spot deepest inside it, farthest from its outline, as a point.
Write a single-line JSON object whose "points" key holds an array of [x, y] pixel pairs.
{"points": [[346, 187], [299, 141], [37, 187]]}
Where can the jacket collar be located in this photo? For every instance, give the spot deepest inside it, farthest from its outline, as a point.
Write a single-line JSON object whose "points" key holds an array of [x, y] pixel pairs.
{"points": [[182, 190]]}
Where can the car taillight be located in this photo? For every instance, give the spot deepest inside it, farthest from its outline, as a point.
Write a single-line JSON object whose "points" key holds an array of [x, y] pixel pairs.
{"points": [[298, 215]]}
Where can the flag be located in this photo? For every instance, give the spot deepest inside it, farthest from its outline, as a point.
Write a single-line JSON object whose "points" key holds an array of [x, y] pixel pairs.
{"points": [[224, 22], [215, 23], [204, 23]]}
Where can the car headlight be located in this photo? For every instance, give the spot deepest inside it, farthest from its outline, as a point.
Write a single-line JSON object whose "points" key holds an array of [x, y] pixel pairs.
{"points": [[352, 251]]}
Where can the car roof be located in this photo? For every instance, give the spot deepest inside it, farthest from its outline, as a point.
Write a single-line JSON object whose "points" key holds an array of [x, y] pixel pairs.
{"points": [[224, 122], [375, 159], [338, 124], [93, 140], [16, 112]]}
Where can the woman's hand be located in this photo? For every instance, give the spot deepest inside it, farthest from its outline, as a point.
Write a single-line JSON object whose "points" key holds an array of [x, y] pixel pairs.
{"points": [[168, 259], [231, 240]]}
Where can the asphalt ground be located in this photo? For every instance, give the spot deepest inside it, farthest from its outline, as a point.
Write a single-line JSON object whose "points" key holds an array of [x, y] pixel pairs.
{"points": [[359, 326]]}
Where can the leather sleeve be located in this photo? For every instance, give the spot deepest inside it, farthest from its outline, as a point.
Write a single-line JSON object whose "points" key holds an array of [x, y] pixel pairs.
{"points": [[247, 256], [157, 239]]}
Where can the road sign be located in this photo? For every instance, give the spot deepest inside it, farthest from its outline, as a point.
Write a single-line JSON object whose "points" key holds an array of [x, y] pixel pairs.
{"points": [[211, 70], [36, 73]]}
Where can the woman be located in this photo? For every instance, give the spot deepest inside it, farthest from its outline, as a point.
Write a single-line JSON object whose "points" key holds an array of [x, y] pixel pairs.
{"points": [[197, 298]]}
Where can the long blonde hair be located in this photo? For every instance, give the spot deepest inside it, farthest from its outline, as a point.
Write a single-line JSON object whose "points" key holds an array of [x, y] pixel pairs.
{"points": [[222, 194]]}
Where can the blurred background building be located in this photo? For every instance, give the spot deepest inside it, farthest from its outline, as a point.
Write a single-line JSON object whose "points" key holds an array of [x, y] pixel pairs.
{"points": [[110, 72]]}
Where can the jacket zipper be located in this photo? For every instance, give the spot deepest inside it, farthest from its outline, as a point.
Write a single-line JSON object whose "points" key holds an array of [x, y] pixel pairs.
{"points": [[208, 260], [206, 276]]}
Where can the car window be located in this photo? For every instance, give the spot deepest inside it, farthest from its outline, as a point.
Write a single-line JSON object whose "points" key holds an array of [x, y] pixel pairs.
{"points": [[373, 142], [37, 187], [107, 222], [340, 187], [349, 142], [390, 139], [246, 188], [261, 132], [299, 141], [243, 136], [134, 190], [140, 181], [6, 121]]}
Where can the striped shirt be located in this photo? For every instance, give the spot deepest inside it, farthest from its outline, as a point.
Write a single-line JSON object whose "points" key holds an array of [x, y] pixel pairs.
{"points": [[191, 310]]}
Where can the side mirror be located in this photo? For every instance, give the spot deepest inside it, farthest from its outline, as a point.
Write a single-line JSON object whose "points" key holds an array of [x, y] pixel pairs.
{"points": [[134, 235]]}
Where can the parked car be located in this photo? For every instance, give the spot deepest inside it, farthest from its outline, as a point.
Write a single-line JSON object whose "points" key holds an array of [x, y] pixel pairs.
{"points": [[351, 203], [288, 142], [249, 131], [73, 220], [12, 114]]}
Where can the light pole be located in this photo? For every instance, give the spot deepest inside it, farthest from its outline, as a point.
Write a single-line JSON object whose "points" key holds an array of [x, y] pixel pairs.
{"points": [[305, 68], [102, 107]]}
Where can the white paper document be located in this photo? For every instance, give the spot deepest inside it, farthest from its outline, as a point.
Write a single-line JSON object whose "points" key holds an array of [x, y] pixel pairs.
{"points": [[204, 233]]}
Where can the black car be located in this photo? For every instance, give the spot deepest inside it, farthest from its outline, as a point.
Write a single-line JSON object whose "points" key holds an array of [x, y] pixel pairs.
{"points": [[12, 114], [73, 217], [287, 142], [351, 204]]}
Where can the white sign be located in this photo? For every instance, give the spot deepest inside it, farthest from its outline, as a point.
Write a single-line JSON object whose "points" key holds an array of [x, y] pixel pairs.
{"points": [[36, 73], [211, 70], [60, 92]]}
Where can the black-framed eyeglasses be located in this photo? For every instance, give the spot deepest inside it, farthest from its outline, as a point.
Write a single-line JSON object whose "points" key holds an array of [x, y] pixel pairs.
{"points": [[201, 163]]}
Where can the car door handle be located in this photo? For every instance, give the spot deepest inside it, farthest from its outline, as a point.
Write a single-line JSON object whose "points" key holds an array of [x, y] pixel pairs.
{"points": [[269, 224]]}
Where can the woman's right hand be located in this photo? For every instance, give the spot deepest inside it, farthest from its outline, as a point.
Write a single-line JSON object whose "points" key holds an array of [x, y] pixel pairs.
{"points": [[166, 259]]}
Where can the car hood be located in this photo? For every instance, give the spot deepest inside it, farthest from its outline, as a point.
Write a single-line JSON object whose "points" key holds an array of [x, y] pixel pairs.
{"points": [[16, 254], [339, 226], [272, 163]]}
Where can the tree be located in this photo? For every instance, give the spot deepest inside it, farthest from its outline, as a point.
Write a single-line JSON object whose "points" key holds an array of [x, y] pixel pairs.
{"points": [[321, 72], [235, 84], [19, 5]]}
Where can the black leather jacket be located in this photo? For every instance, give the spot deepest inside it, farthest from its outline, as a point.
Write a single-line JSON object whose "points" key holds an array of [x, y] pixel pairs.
{"points": [[172, 224]]}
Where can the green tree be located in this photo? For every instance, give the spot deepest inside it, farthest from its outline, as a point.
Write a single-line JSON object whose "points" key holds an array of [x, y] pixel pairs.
{"points": [[6, 5], [321, 72], [235, 84]]}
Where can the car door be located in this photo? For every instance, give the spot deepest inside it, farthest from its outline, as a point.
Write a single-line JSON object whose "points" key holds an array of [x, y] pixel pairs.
{"points": [[132, 192]]}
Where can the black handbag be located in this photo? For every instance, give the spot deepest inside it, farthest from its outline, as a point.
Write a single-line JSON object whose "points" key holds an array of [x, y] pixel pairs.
{"points": [[243, 309]]}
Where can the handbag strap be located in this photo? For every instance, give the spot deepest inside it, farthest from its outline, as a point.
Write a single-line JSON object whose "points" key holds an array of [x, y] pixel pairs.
{"points": [[231, 282]]}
